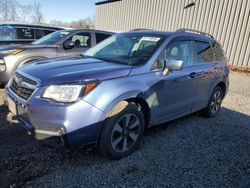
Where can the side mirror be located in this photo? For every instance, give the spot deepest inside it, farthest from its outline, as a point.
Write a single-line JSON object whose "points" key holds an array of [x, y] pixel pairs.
{"points": [[172, 64], [68, 44]]}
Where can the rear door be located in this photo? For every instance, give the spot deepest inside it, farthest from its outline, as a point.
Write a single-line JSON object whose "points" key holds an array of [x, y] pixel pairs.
{"points": [[204, 73]]}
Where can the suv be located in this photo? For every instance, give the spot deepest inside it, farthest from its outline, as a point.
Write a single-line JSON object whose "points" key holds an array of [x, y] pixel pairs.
{"points": [[60, 43], [13, 33], [129, 82]]}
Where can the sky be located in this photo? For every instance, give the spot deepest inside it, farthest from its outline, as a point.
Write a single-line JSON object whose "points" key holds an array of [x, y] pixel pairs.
{"points": [[64, 10]]}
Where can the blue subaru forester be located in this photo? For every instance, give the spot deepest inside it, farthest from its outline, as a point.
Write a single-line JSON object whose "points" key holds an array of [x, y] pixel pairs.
{"points": [[129, 82]]}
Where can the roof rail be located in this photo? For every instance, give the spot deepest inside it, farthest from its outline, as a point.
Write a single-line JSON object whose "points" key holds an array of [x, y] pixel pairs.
{"points": [[140, 29], [194, 31]]}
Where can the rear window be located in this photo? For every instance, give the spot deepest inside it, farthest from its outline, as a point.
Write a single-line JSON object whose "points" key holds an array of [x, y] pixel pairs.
{"points": [[46, 32], [203, 52], [218, 52], [101, 36], [25, 33], [39, 33]]}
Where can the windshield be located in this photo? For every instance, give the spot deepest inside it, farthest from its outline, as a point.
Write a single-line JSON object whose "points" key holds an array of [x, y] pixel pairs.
{"points": [[52, 38], [126, 48]]}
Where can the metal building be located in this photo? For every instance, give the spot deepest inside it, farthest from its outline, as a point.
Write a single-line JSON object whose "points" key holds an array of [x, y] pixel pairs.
{"points": [[227, 20]]}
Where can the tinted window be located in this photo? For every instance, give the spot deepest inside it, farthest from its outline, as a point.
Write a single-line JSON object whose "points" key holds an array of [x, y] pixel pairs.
{"points": [[7, 33], [180, 50], [101, 36], [81, 39], [39, 33], [25, 33], [203, 52], [52, 38], [218, 52], [46, 32]]}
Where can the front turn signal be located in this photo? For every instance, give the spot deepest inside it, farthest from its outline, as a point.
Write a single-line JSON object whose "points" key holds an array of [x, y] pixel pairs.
{"points": [[89, 87]]}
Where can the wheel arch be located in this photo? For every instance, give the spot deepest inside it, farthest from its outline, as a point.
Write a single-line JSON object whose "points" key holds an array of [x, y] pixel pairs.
{"points": [[222, 85], [134, 97]]}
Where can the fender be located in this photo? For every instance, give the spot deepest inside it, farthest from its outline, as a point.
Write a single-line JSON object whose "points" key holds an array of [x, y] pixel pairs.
{"points": [[123, 97], [222, 78], [109, 93]]}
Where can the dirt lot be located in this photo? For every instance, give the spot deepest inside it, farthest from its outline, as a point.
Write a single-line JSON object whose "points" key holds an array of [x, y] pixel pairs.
{"points": [[190, 152]]}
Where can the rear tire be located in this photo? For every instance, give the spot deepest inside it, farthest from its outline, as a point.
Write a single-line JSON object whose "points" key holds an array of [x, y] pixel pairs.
{"points": [[214, 104], [122, 132]]}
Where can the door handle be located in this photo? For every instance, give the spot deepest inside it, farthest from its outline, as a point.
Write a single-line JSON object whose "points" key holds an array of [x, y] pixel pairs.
{"points": [[196, 74]]}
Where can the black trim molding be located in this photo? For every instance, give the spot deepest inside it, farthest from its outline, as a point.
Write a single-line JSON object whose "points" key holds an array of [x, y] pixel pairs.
{"points": [[101, 2]]}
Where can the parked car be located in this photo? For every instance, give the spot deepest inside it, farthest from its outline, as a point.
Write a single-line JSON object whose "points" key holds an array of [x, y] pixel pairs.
{"points": [[129, 82], [61, 43], [15, 33]]}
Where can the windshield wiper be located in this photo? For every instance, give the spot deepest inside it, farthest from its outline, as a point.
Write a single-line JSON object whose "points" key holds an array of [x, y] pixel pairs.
{"points": [[103, 59]]}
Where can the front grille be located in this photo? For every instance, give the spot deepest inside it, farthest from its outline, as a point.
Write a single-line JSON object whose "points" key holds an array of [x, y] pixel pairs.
{"points": [[20, 88], [25, 79]]}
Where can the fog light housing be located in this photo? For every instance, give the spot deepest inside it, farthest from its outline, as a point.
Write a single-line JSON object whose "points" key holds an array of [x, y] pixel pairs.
{"points": [[2, 65]]}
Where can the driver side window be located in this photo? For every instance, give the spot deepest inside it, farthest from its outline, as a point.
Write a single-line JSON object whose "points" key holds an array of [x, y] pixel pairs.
{"points": [[81, 40], [178, 50]]}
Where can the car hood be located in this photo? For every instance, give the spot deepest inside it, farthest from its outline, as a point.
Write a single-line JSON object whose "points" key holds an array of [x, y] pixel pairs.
{"points": [[73, 69], [9, 48]]}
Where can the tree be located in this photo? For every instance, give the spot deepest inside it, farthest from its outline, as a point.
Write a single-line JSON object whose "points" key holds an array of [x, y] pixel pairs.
{"points": [[37, 14], [4, 9], [25, 11], [9, 10], [13, 10]]}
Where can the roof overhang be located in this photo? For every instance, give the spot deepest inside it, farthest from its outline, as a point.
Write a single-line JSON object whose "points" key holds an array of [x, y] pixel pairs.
{"points": [[101, 2]]}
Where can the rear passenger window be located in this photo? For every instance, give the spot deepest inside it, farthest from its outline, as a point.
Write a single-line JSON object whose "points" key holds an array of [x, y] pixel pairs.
{"points": [[25, 33], [101, 36], [203, 52], [39, 33], [218, 52], [46, 32]]}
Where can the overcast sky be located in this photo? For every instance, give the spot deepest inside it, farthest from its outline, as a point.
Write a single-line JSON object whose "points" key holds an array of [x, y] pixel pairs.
{"points": [[64, 10]]}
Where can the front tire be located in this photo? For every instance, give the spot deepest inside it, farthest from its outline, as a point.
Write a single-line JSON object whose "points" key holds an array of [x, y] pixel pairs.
{"points": [[214, 104], [123, 131]]}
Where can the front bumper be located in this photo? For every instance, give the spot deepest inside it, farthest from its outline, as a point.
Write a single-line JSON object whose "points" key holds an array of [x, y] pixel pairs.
{"points": [[11, 65], [77, 125]]}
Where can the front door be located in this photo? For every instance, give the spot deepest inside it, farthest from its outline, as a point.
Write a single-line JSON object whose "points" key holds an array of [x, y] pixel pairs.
{"points": [[82, 42], [174, 92]]}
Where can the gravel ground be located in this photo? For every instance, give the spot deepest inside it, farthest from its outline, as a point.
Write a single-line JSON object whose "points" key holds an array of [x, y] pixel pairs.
{"points": [[190, 152]]}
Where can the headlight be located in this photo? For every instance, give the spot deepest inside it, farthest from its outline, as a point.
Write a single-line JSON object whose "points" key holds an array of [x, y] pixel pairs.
{"points": [[67, 93], [16, 51], [2, 65]]}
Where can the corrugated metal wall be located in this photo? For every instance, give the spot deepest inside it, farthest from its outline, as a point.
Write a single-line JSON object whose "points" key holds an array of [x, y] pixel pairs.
{"points": [[227, 20]]}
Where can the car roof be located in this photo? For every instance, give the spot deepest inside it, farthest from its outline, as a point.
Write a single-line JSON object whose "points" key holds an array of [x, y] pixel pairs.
{"points": [[181, 32], [150, 32], [30, 25], [89, 30]]}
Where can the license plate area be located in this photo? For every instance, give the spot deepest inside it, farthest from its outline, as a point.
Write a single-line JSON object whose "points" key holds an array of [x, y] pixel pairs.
{"points": [[12, 106]]}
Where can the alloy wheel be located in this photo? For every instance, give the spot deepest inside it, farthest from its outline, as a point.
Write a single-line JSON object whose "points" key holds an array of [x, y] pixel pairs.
{"points": [[216, 102], [125, 132]]}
